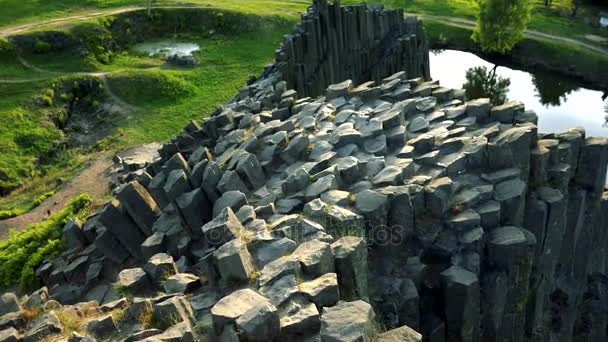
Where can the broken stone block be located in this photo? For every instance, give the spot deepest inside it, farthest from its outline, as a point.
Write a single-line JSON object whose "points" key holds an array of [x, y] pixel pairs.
{"points": [[323, 291], [350, 255], [505, 113], [278, 269], [140, 205], [223, 228], [122, 228], [462, 296], [299, 317], [76, 271], [9, 335], [230, 199], [182, 283], [295, 182], [280, 290], [42, 327], [160, 267], [9, 303], [177, 184], [511, 195], [259, 323], [401, 334], [479, 108], [266, 251], [172, 311], [133, 281], [230, 308], [348, 321], [234, 261], [231, 181], [211, 177], [102, 327], [374, 207], [195, 209], [316, 258], [322, 185], [154, 244], [437, 196], [250, 170], [73, 235]]}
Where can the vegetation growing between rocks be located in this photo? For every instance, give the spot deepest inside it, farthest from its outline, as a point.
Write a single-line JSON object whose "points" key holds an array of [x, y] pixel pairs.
{"points": [[23, 252]]}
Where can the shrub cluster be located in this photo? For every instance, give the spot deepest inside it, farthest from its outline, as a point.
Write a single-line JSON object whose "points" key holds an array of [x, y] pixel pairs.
{"points": [[23, 252]]}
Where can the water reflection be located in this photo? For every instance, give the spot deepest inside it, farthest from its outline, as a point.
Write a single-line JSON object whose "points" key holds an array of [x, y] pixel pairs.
{"points": [[552, 90], [559, 103], [483, 83]]}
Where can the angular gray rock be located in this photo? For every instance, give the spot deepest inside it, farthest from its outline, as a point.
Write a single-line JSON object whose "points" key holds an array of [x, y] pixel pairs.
{"points": [[223, 228], [103, 327], [351, 267], [160, 267], [259, 323], [228, 309], [133, 281], [348, 321], [234, 261], [140, 205], [323, 291], [316, 258], [182, 283], [9, 302], [230, 199]]}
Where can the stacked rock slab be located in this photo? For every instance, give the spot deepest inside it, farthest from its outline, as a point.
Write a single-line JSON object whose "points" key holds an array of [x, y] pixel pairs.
{"points": [[283, 217]]}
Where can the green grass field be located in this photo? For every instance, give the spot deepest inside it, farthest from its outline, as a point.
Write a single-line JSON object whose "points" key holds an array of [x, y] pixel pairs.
{"points": [[165, 100]]}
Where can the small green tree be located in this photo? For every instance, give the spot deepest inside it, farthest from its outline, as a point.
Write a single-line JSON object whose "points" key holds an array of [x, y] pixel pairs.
{"points": [[501, 24], [482, 83]]}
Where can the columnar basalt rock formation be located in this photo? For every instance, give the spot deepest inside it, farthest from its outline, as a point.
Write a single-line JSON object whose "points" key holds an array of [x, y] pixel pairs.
{"points": [[362, 43], [283, 217]]}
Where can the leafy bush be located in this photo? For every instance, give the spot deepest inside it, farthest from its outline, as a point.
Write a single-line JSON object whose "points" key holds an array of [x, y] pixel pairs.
{"points": [[41, 198], [40, 46], [23, 252], [6, 214], [98, 39]]}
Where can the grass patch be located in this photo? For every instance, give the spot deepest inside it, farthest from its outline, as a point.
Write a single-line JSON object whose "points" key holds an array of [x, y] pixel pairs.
{"points": [[70, 321], [23, 252]]}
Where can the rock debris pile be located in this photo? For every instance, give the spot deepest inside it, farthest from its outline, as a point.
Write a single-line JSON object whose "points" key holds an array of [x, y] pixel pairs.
{"points": [[393, 204]]}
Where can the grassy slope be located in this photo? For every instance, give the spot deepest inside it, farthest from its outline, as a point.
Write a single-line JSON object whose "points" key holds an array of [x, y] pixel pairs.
{"points": [[166, 100], [225, 64]]}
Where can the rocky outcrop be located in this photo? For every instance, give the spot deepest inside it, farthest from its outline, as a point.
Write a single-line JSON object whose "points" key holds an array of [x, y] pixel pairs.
{"points": [[283, 217], [361, 43]]}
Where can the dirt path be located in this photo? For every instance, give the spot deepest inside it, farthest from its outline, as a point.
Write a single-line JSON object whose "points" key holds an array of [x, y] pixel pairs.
{"points": [[8, 31], [93, 180], [470, 24]]}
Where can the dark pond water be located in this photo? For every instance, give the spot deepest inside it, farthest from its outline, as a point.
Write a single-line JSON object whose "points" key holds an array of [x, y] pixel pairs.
{"points": [[560, 104]]}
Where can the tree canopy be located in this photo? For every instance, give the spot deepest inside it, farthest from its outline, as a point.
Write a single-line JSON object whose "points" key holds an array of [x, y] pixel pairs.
{"points": [[501, 24], [552, 90], [482, 83]]}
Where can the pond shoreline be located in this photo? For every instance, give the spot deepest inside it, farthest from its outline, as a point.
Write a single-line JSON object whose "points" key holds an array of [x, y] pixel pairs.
{"points": [[529, 64], [587, 69]]}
